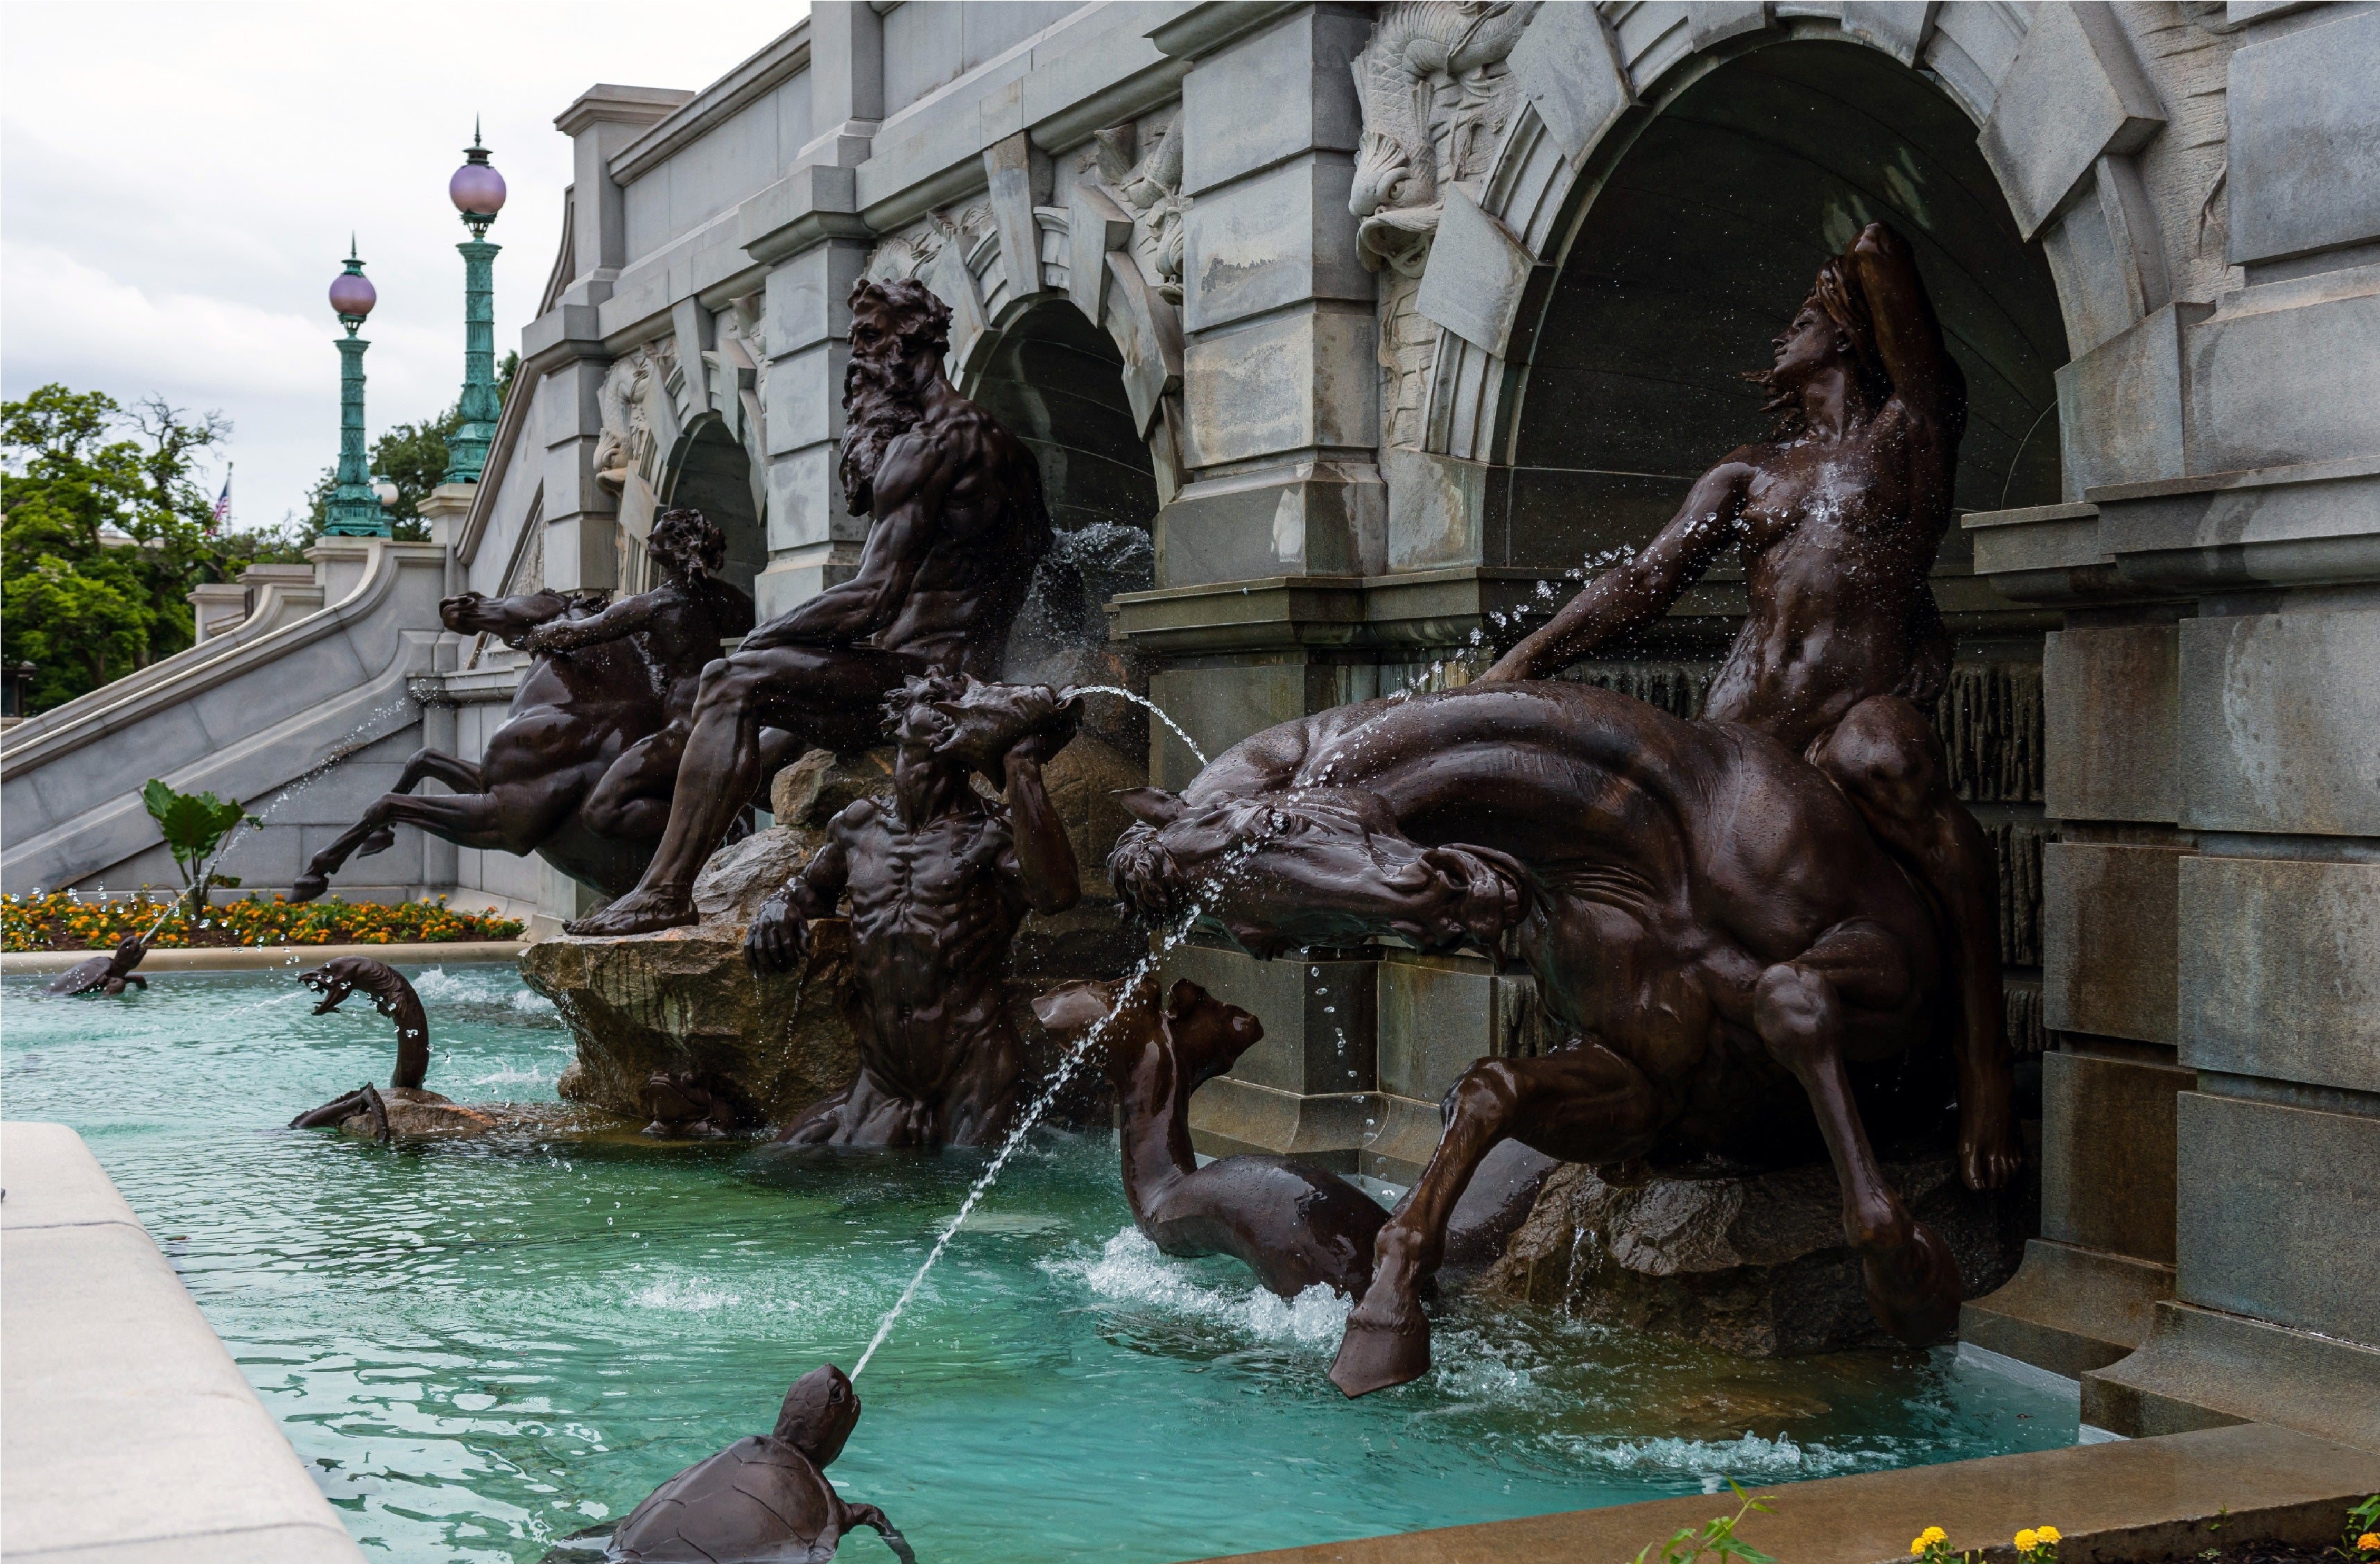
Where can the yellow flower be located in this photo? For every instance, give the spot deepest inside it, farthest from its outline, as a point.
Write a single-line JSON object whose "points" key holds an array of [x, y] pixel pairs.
{"points": [[1916, 1547], [1932, 1534], [2046, 1533], [2027, 1539], [2368, 1543]]}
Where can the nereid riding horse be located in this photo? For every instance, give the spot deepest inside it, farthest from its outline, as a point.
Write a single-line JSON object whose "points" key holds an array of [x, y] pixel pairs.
{"points": [[1702, 908], [573, 715]]}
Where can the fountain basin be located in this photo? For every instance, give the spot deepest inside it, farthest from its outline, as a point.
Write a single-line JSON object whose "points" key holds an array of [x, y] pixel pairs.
{"points": [[482, 1346]]}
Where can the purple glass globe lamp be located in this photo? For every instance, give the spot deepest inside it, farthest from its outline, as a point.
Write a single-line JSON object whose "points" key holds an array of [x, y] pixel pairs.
{"points": [[477, 189], [352, 294]]}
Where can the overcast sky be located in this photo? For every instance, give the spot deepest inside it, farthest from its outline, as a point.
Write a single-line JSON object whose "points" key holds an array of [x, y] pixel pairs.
{"points": [[178, 182]]}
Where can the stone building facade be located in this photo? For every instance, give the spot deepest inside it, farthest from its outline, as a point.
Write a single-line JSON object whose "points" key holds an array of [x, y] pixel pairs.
{"points": [[1382, 324]]}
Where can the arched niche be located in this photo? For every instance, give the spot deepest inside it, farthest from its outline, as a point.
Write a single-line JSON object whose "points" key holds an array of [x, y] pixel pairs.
{"points": [[708, 470], [1699, 244], [1057, 382]]}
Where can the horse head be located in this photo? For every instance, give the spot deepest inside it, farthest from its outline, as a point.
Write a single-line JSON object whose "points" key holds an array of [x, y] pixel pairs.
{"points": [[1311, 865]]}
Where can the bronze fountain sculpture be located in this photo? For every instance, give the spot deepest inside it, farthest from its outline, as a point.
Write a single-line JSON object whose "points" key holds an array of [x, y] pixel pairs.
{"points": [[1294, 1226], [1713, 916], [763, 1499], [582, 770], [1844, 653], [939, 883], [959, 526], [392, 996], [110, 974]]}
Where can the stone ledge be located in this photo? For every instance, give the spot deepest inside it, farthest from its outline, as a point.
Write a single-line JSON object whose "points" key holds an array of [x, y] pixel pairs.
{"points": [[2201, 1369], [131, 1434], [2130, 1500], [259, 958], [2069, 1310]]}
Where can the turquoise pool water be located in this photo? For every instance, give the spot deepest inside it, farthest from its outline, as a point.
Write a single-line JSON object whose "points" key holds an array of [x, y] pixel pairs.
{"points": [[478, 1348]]}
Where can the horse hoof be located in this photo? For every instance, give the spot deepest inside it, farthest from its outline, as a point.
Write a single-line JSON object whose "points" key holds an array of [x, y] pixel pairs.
{"points": [[1916, 1289], [309, 886], [380, 841], [1374, 1357]]}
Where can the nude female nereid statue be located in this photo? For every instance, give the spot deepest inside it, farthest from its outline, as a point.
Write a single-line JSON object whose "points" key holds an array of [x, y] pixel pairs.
{"points": [[1844, 653], [959, 526], [938, 882], [582, 770]]}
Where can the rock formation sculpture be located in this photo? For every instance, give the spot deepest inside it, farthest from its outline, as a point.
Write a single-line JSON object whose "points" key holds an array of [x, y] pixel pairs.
{"points": [[763, 1499], [582, 770], [110, 974], [1844, 654], [939, 883], [959, 526], [1706, 915], [1293, 1225]]}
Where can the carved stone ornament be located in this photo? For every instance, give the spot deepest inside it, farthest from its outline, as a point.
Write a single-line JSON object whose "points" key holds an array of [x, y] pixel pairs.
{"points": [[1150, 190], [1435, 100], [623, 403]]}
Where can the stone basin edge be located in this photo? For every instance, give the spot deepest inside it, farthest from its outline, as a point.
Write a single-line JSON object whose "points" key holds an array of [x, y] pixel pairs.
{"points": [[262, 958], [2127, 1501], [131, 1433]]}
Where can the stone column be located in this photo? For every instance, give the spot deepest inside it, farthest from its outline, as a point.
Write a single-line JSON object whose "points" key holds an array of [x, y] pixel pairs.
{"points": [[564, 346], [1262, 554], [2212, 917]]}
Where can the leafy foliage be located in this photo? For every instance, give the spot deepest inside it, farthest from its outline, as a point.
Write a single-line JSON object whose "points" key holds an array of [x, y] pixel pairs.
{"points": [[105, 532], [194, 824], [1715, 1538], [61, 921]]}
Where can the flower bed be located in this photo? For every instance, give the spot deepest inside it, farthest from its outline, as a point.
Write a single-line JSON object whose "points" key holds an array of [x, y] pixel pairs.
{"points": [[58, 921]]}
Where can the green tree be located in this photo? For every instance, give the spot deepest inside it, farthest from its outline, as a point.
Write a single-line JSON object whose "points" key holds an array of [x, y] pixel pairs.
{"points": [[104, 531]]}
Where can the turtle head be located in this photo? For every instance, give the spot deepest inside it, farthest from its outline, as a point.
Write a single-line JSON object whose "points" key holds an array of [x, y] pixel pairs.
{"points": [[818, 1414]]}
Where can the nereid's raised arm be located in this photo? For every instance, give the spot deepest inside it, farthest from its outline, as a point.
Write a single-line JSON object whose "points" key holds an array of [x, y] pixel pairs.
{"points": [[1908, 337], [1640, 592]]}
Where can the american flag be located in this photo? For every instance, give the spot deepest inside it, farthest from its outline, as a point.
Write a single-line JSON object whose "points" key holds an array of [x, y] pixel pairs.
{"points": [[223, 501]]}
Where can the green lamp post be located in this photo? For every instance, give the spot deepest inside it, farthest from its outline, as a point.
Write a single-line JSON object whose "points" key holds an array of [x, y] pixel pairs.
{"points": [[355, 510], [477, 192]]}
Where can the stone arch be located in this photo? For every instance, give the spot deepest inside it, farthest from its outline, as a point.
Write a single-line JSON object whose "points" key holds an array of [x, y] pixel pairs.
{"points": [[2055, 107], [709, 468], [1700, 243]]}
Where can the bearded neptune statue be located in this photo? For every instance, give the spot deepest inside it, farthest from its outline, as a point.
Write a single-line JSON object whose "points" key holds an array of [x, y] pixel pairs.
{"points": [[959, 527]]}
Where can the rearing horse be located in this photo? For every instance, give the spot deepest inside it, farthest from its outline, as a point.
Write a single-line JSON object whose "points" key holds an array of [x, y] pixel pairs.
{"points": [[1706, 915]]}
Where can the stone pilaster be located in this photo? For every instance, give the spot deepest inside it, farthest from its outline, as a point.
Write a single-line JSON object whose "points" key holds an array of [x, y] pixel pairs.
{"points": [[2212, 906]]}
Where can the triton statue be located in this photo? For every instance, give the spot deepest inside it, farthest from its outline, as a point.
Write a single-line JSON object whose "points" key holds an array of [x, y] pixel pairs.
{"points": [[960, 527], [939, 883], [1706, 915], [1293, 1226], [110, 974], [581, 771], [1844, 653], [763, 1499]]}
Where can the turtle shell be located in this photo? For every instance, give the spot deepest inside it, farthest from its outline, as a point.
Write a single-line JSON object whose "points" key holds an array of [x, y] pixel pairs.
{"points": [[759, 1501], [81, 977]]}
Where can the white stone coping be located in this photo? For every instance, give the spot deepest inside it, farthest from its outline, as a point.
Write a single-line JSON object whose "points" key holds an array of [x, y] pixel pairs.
{"points": [[266, 958], [128, 1435]]}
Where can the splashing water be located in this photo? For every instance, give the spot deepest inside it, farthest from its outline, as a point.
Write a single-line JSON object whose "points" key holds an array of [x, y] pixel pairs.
{"points": [[1162, 715], [1071, 1061]]}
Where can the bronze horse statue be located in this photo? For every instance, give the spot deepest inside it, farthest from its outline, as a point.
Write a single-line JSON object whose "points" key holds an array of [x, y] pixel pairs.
{"points": [[1294, 1225], [582, 770], [1706, 914]]}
